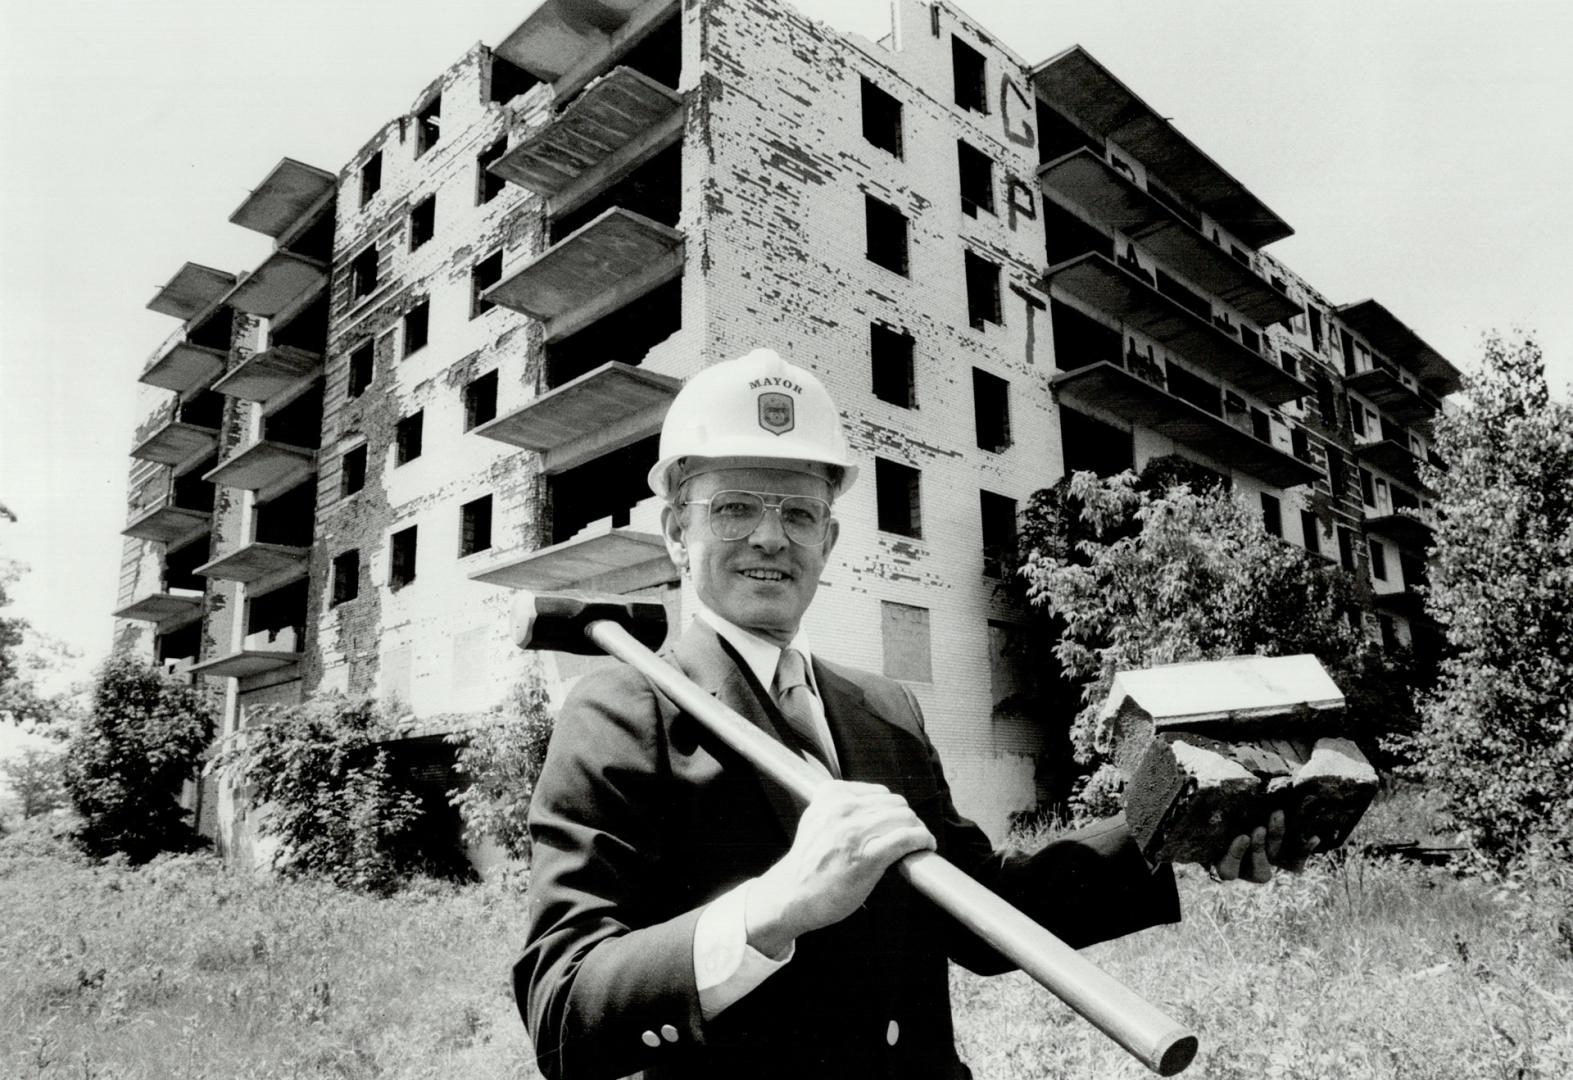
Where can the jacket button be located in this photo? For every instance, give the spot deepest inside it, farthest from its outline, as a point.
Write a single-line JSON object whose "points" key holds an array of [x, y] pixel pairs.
{"points": [[668, 1032], [651, 1039], [892, 1033]]}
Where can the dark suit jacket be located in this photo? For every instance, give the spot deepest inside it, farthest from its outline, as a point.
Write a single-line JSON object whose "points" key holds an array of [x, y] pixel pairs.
{"points": [[640, 818]]}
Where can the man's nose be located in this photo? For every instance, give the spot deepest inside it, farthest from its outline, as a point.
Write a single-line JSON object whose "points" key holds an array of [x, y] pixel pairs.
{"points": [[769, 535]]}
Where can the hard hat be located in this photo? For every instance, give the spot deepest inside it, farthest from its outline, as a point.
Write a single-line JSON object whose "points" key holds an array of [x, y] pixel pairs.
{"points": [[757, 406]]}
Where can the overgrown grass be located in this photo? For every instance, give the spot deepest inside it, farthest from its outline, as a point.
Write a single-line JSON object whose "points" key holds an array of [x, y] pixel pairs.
{"points": [[184, 969]]}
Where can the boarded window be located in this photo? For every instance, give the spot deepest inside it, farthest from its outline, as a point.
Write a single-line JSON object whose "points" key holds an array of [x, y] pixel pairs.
{"points": [[991, 411], [1012, 690], [887, 234], [977, 179], [401, 558], [407, 438], [881, 118], [904, 633], [1272, 515], [362, 368], [970, 71], [999, 532], [480, 400], [417, 327], [983, 291], [352, 471], [423, 221], [370, 177], [346, 577], [483, 276], [890, 353], [898, 498], [475, 526]]}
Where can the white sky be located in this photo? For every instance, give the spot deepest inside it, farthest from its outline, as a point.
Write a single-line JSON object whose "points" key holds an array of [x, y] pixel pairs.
{"points": [[1421, 150]]}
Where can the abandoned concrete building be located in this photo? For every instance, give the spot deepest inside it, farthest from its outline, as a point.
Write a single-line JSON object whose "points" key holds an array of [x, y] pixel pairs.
{"points": [[445, 381]]}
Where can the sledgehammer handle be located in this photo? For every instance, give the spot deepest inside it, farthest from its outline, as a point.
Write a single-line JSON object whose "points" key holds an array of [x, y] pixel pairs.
{"points": [[1158, 1041]]}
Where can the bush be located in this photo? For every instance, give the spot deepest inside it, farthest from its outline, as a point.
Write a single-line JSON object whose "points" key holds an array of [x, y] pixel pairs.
{"points": [[330, 799], [141, 740], [502, 761]]}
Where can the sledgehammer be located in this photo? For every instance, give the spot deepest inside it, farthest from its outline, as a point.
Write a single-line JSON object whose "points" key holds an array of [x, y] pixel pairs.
{"points": [[628, 629]]}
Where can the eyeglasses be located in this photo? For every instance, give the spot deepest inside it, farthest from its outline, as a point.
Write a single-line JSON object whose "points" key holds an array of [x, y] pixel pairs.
{"points": [[736, 514]]}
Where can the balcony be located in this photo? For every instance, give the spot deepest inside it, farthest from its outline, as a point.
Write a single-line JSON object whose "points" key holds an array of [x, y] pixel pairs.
{"points": [[1100, 285], [182, 365], [1401, 600], [283, 278], [1392, 338], [1088, 181], [563, 38], [262, 375], [617, 120], [161, 517], [1407, 530], [1393, 458], [612, 260], [612, 406], [599, 557], [1079, 86], [248, 661], [163, 607], [1385, 388], [284, 197], [174, 441], [1109, 387], [266, 466], [256, 561], [192, 290]]}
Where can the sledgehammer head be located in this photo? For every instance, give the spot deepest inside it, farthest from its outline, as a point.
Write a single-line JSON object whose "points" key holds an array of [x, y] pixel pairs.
{"points": [[557, 621]]}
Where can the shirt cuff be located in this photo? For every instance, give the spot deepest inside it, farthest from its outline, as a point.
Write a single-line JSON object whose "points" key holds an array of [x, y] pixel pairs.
{"points": [[726, 966]]}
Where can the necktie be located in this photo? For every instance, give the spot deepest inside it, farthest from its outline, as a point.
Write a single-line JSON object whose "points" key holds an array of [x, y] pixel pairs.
{"points": [[800, 706]]}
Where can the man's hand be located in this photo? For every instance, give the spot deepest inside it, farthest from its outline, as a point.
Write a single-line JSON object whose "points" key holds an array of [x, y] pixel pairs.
{"points": [[846, 840], [1253, 857]]}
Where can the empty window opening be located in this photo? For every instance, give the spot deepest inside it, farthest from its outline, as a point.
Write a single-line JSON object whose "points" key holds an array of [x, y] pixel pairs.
{"points": [[1261, 426], [483, 275], [659, 54], [182, 644], [1079, 339], [1316, 327], [287, 518], [1337, 475], [1404, 499], [1389, 632], [1346, 548], [1347, 347], [1367, 488], [1413, 567], [1378, 559], [363, 366], [625, 335], [906, 642], [1289, 363], [1058, 135], [401, 558], [205, 408], [983, 291], [970, 70], [407, 438], [1311, 532], [977, 179], [315, 241], [280, 614], [508, 80], [215, 331], [887, 234], [363, 273], [1272, 515], [180, 564], [1300, 444], [298, 423], [428, 125], [188, 491], [1091, 445], [475, 526], [1179, 206], [370, 177], [480, 400], [890, 353], [1067, 236], [1326, 402], [488, 185], [417, 327], [991, 411], [606, 487], [1356, 417], [307, 329], [653, 190], [352, 471], [999, 532], [881, 118], [423, 221], [898, 498], [1184, 296], [1193, 388], [346, 577]]}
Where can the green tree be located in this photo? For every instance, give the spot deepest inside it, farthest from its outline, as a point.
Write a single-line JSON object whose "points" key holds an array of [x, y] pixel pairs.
{"points": [[329, 794], [36, 779], [1135, 575], [1497, 738], [501, 760], [142, 738]]}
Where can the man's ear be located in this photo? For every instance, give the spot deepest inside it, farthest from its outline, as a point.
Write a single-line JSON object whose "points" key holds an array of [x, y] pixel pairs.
{"points": [[672, 532], [832, 536]]}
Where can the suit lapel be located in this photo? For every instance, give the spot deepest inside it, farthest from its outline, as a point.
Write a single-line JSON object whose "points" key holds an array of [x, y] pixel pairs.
{"points": [[863, 738]]}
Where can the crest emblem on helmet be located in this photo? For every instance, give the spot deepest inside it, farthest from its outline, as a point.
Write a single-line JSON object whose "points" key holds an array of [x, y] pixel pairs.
{"points": [[776, 413]]}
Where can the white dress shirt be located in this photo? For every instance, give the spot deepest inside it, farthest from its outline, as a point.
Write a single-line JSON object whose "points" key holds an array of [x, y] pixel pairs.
{"points": [[726, 967]]}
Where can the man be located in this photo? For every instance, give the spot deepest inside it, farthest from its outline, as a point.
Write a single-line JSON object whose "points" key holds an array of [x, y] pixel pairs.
{"points": [[683, 921]]}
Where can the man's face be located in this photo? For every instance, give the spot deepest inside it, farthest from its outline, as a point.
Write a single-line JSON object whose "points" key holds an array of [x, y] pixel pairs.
{"points": [[763, 582]]}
